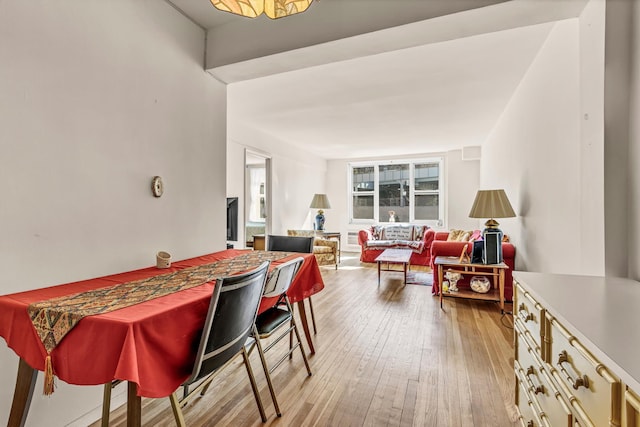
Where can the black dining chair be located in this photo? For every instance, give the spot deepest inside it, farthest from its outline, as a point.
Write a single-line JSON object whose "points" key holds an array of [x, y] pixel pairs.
{"points": [[275, 318], [228, 329], [293, 244]]}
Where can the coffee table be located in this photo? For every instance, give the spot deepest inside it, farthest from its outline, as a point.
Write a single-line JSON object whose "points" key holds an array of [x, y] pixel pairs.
{"points": [[394, 256]]}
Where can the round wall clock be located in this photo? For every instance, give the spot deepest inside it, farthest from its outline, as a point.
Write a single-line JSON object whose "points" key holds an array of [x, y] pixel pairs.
{"points": [[156, 186]]}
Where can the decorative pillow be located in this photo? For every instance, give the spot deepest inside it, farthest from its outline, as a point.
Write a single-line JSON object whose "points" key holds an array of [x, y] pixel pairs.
{"points": [[454, 235], [376, 232], [398, 232], [476, 235], [418, 231], [464, 237]]}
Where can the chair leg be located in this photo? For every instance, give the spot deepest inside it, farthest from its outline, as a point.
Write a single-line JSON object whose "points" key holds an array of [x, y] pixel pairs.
{"points": [[313, 317], [295, 329], [254, 386], [266, 371], [291, 339], [177, 412]]}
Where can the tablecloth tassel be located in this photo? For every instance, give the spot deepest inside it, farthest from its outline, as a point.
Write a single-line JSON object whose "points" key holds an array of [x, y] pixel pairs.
{"points": [[48, 376]]}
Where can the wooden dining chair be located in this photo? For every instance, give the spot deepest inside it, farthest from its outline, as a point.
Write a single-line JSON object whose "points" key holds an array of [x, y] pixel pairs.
{"points": [[275, 319], [293, 244], [228, 329]]}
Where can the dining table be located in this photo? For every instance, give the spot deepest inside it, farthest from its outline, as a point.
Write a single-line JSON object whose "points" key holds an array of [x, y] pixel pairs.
{"points": [[146, 341]]}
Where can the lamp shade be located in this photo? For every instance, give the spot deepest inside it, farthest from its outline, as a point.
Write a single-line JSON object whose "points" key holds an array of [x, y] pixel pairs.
{"points": [[253, 8], [320, 201], [491, 204]]}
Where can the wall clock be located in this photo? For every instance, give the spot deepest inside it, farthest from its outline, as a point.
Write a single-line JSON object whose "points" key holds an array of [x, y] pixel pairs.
{"points": [[156, 186]]}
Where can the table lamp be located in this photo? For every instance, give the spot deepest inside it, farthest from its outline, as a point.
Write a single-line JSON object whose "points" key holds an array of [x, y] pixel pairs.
{"points": [[492, 204], [320, 202]]}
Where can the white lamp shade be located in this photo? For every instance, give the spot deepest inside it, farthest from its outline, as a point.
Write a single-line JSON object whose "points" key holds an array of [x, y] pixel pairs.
{"points": [[320, 201]]}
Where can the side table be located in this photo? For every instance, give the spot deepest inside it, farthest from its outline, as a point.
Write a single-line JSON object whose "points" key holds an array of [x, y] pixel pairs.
{"points": [[258, 242], [454, 265]]}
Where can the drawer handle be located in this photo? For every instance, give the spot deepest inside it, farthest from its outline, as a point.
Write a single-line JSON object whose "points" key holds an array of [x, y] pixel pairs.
{"points": [[583, 381], [524, 313], [536, 389]]}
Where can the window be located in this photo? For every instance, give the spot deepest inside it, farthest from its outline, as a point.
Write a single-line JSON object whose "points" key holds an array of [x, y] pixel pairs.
{"points": [[400, 191], [256, 204]]}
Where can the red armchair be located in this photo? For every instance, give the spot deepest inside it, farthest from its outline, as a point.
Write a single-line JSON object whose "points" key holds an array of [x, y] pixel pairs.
{"points": [[440, 247], [371, 248]]}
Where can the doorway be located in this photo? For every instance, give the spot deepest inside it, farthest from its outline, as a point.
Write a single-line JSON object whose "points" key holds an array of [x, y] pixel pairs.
{"points": [[257, 206]]}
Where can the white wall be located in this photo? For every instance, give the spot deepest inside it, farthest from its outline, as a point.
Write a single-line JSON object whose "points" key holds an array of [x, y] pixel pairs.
{"points": [[462, 184], [95, 99], [295, 176], [540, 153], [461, 181]]}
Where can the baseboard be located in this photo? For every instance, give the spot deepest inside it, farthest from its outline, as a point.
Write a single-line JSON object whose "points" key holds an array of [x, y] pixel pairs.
{"points": [[95, 414]]}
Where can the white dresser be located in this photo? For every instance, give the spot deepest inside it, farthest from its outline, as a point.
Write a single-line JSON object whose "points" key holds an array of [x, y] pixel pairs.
{"points": [[577, 350]]}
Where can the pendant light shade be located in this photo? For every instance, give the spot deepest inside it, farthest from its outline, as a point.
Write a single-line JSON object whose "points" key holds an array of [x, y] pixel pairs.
{"points": [[272, 8]]}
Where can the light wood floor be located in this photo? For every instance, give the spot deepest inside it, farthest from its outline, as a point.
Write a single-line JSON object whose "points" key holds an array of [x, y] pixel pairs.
{"points": [[385, 356]]}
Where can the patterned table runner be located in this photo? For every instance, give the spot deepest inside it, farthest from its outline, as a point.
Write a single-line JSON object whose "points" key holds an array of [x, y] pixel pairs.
{"points": [[54, 318]]}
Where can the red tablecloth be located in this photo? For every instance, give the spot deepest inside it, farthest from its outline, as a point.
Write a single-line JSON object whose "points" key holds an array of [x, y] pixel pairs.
{"points": [[148, 343]]}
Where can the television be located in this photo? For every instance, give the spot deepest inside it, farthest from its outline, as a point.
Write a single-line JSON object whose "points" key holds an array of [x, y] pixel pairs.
{"points": [[232, 219]]}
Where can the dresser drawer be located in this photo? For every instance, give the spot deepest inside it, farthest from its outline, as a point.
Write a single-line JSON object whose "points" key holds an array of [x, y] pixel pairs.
{"points": [[530, 312], [632, 409], [524, 335], [535, 374], [593, 392], [530, 413], [553, 402]]}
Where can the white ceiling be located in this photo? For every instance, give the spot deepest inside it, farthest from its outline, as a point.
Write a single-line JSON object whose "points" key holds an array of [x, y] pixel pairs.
{"points": [[426, 98]]}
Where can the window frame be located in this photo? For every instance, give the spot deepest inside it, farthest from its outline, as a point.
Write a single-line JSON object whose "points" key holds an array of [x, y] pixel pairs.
{"points": [[412, 191]]}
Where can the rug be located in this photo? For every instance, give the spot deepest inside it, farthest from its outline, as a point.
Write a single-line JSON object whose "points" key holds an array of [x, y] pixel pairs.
{"points": [[419, 278]]}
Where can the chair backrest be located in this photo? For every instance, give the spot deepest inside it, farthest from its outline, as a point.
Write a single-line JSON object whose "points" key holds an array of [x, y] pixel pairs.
{"points": [[280, 277], [290, 244], [232, 313]]}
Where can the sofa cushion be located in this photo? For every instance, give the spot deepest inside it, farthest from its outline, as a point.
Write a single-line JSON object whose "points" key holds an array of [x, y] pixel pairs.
{"points": [[317, 249], [397, 232], [416, 246], [456, 235]]}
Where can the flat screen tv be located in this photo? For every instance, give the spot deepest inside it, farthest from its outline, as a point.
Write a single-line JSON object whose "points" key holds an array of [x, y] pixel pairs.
{"points": [[232, 219]]}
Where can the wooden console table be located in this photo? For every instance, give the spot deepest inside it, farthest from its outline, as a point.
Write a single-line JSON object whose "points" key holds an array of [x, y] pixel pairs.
{"points": [[453, 264], [259, 242]]}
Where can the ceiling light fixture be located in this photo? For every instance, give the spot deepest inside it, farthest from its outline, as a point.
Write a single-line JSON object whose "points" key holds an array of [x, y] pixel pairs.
{"points": [[272, 8]]}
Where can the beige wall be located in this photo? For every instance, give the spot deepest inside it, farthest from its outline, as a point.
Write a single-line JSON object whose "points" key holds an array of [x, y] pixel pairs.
{"points": [[632, 223], [95, 99], [619, 202]]}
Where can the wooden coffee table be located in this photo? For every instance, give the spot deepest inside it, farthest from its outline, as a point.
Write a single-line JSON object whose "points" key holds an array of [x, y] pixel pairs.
{"points": [[394, 256]]}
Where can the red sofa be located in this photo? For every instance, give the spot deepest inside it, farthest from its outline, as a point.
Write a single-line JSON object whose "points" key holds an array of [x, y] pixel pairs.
{"points": [[375, 240], [440, 247]]}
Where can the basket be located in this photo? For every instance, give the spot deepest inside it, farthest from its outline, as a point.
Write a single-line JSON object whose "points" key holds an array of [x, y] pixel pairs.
{"points": [[163, 259]]}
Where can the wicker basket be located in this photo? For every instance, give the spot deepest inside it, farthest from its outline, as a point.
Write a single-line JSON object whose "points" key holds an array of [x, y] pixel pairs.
{"points": [[163, 259]]}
